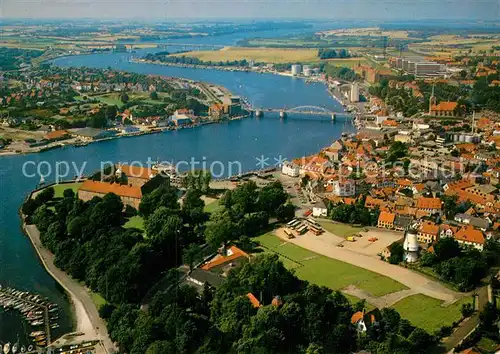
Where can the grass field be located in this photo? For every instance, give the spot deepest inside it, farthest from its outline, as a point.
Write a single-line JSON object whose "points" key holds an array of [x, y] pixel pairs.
{"points": [[348, 62], [97, 299], [212, 207], [341, 230], [135, 222], [265, 55], [426, 312], [326, 271], [60, 188]]}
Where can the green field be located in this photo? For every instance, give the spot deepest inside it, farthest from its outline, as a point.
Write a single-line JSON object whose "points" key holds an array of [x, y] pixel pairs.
{"points": [[347, 63], [135, 222], [426, 312], [212, 207], [60, 188], [342, 230], [97, 299], [326, 271]]}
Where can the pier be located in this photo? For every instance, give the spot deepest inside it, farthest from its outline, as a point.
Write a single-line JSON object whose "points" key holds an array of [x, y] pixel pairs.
{"points": [[25, 303]]}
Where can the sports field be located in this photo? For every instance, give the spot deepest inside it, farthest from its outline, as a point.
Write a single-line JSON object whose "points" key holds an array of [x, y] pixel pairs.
{"points": [[60, 188], [261, 55], [326, 271], [342, 230], [426, 312]]}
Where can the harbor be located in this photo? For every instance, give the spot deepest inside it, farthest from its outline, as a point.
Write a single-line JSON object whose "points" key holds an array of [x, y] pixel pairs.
{"points": [[37, 311]]}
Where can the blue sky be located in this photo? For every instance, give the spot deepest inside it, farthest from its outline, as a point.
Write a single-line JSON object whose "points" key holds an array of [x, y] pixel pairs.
{"points": [[253, 9]]}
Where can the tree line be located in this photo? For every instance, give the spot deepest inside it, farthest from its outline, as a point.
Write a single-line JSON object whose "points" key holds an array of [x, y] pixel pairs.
{"points": [[90, 243]]}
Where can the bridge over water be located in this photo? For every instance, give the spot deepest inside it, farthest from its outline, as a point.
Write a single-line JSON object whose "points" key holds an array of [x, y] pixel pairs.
{"points": [[306, 110]]}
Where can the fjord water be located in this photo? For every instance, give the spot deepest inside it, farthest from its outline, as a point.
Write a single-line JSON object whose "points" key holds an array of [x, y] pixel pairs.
{"points": [[237, 141]]}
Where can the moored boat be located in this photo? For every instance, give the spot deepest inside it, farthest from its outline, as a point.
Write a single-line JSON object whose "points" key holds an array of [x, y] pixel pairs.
{"points": [[6, 348]]}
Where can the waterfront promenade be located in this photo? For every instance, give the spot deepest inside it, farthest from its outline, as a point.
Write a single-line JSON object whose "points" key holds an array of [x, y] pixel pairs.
{"points": [[87, 316]]}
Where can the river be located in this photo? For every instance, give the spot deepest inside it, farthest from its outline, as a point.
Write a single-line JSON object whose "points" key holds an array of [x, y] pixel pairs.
{"points": [[242, 141]]}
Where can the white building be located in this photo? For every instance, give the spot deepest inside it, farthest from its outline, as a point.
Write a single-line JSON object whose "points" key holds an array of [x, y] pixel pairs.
{"points": [[410, 245], [296, 69], [290, 169], [354, 97], [345, 188], [319, 210]]}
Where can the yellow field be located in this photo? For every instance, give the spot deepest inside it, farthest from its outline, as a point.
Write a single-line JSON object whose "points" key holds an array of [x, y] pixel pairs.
{"points": [[262, 55], [347, 62]]}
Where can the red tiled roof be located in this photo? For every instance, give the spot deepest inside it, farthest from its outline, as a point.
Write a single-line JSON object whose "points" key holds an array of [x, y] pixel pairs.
{"points": [[235, 254], [444, 106], [137, 171], [56, 134], [429, 228], [470, 234], [386, 217], [428, 203], [105, 188], [253, 300]]}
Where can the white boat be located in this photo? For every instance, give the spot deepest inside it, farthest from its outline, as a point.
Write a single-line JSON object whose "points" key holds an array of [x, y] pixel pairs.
{"points": [[6, 348], [14, 348], [23, 349]]}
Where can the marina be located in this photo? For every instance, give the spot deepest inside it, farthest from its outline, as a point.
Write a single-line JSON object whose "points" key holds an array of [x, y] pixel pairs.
{"points": [[40, 314]]}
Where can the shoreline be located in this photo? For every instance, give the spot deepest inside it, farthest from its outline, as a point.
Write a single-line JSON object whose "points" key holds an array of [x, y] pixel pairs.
{"points": [[227, 68], [86, 314]]}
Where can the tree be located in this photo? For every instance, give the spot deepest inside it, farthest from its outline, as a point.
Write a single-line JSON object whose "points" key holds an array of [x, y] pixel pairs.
{"points": [[397, 253], [466, 310], [110, 112], [45, 195], [154, 96], [191, 254], [446, 248], [285, 212], [124, 98], [221, 230]]}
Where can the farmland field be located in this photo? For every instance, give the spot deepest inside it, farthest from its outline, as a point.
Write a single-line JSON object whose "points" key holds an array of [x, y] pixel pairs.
{"points": [[266, 55]]}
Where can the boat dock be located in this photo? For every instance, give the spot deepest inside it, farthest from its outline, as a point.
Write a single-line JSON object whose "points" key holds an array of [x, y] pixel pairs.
{"points": [[35, 309]]}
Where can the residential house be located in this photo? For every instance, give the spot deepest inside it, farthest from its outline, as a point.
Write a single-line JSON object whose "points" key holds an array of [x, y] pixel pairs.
{"points": [[364, 320], [446, 230], [199, 277], [319, 210], [253, 300], [428, 232], [402, 222], [226, 260], [480, 223], [290, 169], [386, 220], [429, 205], [470, 236], [344, 188]]}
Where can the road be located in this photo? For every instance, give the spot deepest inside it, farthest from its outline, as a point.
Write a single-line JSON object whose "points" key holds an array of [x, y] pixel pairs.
{"points": [[88, 320], [468, 325]]}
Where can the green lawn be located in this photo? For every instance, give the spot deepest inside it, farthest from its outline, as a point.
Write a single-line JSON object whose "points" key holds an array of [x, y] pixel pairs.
{"points": [[212, 207], [326, 271], [426, 312], [98, 300], [60, 188], [341, 230], [135, 222]]}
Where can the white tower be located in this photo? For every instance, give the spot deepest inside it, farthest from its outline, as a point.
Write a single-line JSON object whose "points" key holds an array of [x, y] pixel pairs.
{"points": [[354, 92], [410, 244]]}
